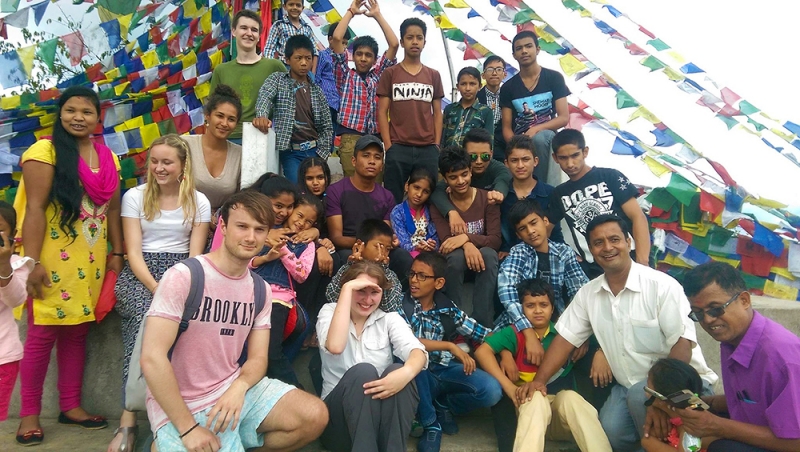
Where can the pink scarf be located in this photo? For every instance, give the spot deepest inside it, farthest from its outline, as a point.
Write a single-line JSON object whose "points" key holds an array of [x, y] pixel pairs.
{"points": [[102, 185]]}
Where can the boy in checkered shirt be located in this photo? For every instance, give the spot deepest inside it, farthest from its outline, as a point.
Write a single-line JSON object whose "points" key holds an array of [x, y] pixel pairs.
{"points": [[287, 27]]}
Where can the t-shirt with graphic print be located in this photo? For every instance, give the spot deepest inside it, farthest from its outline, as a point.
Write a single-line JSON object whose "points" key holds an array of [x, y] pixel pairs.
{"points": [[205, 357], [576, 203], [411, 110], [533, 107]]}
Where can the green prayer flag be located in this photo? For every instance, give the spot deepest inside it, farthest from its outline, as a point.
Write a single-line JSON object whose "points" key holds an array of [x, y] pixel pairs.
{"points": [[163, 52], [661, 198], [719, 236], [167, 126], [759, 127], [701, 243], [127, 168], [29, 98], [658, 44], [691, 212], [573, 5], [11, 193], [436, 9], [121, 7], [147, 117], [675, 136], [730, 122], [624, 100], [106, 94], [47, 53], [747, 108], [525, 16], [652, 63], [753, 282], [671, 160], [9, 6], [681, 189], [454, 34], [553, 48]]}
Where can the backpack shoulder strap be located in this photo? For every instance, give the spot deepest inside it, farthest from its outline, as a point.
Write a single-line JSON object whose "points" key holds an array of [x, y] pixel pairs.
{"points": [[193, 299], [259, 293]]}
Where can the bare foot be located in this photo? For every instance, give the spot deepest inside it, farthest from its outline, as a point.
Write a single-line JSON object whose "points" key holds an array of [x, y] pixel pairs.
{"points": [[28, 423], [115, 443]]}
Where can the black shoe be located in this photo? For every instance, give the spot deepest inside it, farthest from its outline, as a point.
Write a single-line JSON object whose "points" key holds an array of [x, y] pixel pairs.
{"points": [[92, 423], [31, 438]]}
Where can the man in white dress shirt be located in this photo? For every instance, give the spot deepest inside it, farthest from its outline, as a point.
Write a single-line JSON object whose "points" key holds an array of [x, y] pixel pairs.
{"points": [[638, 315]]}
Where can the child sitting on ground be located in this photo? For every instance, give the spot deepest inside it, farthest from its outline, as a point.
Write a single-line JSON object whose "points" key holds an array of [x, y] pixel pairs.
{"points": [[14, 272], [411, 220], [559, 414]]}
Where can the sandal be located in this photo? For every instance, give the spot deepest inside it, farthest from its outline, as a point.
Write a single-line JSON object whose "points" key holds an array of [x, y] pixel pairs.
{"points": [[91, 423], [129, 435], [31, 438]]}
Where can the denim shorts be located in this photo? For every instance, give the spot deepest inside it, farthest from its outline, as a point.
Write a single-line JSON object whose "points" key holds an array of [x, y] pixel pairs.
{"points": [[258, 402]]}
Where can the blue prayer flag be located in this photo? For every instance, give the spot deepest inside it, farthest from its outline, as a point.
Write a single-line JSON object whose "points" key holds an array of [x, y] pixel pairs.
{"points": [[663, 138], [112, 31], [691, 68], [614, 11]]}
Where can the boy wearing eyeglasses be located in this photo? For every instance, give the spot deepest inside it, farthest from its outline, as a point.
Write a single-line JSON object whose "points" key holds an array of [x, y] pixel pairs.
{"points": [[472, 251], [494, 71], [487, 174], [451, 384]]}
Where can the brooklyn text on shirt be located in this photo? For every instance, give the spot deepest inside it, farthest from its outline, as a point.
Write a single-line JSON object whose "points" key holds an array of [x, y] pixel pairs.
{"points": [[219, 311]]}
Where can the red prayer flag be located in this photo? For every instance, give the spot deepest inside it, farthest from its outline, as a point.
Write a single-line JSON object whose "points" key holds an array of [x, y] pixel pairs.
{"points": [[711, 204], [723, 173]]}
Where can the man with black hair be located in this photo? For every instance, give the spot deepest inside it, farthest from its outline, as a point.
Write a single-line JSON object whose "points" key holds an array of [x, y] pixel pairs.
{"points": [[298, 109], [410, 111], [466, 114], [760, 362], [494, 71], [475, 249], [358, 87], [534, 103], [638, 315]]}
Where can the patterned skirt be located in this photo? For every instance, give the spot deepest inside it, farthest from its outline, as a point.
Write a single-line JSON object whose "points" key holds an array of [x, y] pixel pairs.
{"points": [[133, 299]]}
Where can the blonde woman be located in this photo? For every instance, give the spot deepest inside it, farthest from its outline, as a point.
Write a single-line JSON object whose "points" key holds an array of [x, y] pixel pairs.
{"points": [[164, 221]]}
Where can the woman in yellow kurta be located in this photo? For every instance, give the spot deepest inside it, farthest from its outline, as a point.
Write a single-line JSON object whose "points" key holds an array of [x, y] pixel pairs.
{"points": [[69, 205]]}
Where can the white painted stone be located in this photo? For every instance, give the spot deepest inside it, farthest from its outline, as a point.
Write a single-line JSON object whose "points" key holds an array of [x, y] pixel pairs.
{"points": [[258, 154]]}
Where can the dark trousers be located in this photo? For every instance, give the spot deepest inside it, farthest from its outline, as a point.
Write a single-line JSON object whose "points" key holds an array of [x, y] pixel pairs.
{"points": [[728, 445], [311, 292], [360, 423], [401, 160], [400, 262], [584, 385], [484, 293], [282, 352], [504, 416]]}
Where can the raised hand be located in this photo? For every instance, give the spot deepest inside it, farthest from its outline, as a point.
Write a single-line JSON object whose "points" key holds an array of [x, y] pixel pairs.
{"points": [[373, 8]]}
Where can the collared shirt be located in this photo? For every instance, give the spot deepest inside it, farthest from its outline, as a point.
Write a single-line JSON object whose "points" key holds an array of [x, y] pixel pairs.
{"points": [[491, 100], [384, 335], [282, 30], [391, 301], [458, 120], [635, 328], [428, 325], [359, 99], [326, 79], [541, 194], [761, 377], [278, 93], [522, 263]]}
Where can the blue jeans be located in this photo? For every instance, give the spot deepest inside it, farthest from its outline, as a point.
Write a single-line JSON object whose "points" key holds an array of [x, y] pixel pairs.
{"points": [[291, 159], [459, 392]]}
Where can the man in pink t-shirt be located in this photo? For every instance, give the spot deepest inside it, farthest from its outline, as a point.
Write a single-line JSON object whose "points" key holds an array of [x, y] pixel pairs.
{"points": [[201, 399]]}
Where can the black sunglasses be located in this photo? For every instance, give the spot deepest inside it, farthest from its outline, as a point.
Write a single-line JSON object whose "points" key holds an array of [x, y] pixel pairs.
{"points": [[716, 312], [484, 156]]}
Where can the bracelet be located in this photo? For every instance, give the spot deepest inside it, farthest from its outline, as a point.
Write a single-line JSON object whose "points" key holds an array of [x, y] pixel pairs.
{"points": [[118, 254], [36, 262], [190, 430], [6, 278]]}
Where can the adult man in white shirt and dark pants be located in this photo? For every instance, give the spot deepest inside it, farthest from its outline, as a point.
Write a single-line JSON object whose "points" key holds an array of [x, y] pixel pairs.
{"points": [[639, 315]]}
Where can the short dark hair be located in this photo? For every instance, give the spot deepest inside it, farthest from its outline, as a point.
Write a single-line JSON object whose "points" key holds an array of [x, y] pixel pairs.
{"points": [[332, 30], [256, 204], [669, 375], [471, 71], [492, 59], [522, 35], [607, 218], [246, 13], [371, 228], [521, 142], [10, 215], [477, 135], [535, 287], [436, 261], [453, 158], [223, 94], [727, 278], [568, 136], [366, 41], [522, 208], [297, 42], [412, 21]]}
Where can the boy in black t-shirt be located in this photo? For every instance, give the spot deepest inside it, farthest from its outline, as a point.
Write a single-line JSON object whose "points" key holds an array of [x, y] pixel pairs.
{"points": [[534, 103], [589, 192]]}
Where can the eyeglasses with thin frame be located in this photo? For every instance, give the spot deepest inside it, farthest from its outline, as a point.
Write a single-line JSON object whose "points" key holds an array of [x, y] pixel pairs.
{"points": [[716, 312], [421, 277], [484, 156], [494, 70]]}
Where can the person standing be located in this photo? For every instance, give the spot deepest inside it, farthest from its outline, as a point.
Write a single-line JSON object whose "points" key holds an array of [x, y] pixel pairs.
{"points": [[282, 30], [494, 71], [467, 114]]}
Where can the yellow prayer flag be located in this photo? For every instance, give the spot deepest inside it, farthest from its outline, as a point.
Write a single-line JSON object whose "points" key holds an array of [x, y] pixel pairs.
{"points": [[119, 89], [732, 262], [783, 272], [675, 261], [159, 90], [9, 102], [767, 116], [158, 102], [673, 75], [202, 90], [133, 123], [205, 22], [571, 65], [190, 59], [113, 74], [787, 137], [443, 22], [47, 120], [782, 291], [216, 59], [333, 16], [645, 114], [542, 34], [603, 2], [655, 166], [150, 59], [764, 202], [677, 56], [586, 13], [190, 10], [276, 4], [747, 129], [124, 24], [131, 183], [456, 4], [47, 131], [26, 55], [149, 133]]}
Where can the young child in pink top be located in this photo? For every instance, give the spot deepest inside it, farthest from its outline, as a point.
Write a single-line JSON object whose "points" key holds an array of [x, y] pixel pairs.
{"points": [[14, 272]]}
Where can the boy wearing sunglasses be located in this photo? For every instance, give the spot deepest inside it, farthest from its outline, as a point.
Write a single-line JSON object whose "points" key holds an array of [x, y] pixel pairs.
{"points": [[487, 174]]}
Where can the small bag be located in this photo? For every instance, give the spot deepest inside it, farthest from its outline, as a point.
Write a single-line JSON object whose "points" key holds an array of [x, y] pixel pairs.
{"points": [[107, 299], [136, 386]]}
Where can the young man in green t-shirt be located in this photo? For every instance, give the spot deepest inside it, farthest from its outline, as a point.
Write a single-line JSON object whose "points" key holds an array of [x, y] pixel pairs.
{"points": [[571, 414]]}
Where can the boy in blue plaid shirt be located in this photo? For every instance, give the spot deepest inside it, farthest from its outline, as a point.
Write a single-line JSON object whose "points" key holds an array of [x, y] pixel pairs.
{"points": [[452, 384], [282, 30]]}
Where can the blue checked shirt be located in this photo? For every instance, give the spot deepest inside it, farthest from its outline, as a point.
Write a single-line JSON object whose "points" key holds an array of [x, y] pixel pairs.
{"points": [[326, 80], [428, 325], [522, 263], [280, 32], [278, 93]]}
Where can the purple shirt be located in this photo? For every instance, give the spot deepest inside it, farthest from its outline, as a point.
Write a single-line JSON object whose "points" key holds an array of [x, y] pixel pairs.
{"points": [[762, 378], [355, 206]]}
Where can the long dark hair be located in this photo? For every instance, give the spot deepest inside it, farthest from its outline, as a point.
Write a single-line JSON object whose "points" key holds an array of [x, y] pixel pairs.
{"points": [[308, 163], [273, 185], [66, 191]]}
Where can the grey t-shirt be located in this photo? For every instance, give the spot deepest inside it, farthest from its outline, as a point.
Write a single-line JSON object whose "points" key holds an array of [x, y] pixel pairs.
{"points": [[217, 189]]}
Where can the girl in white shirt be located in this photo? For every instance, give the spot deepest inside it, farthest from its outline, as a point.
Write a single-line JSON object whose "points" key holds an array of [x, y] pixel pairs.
{"points": [[164, 221], [371, 400]]}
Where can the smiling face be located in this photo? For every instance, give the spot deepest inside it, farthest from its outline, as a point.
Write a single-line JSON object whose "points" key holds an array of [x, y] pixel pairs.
{"points": [[165, 165], [243, 235], [521, 163], [468, 87], [538, 310], [315, 180], [418, 192], [364, 58], [79, 117], [731, 326], [222, 120], [458, 181], [303, 217], [368, 163], [365, 301], [477, 152], [293, 8], [525, 52], [413, 41], [533, 231], [247, 33], [282, 206], [610, 247]]}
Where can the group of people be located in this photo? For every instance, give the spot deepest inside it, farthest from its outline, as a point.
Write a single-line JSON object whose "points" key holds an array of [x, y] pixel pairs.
{"points": [[571, 334]]}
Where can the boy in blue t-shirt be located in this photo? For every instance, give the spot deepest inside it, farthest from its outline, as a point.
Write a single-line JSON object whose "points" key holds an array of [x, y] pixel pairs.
{"points": [[571, 414]]}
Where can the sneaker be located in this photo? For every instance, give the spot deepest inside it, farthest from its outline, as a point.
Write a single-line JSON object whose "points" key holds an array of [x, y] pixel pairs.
{"points": [[446, 420], [431, 440], [416, 429]]}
